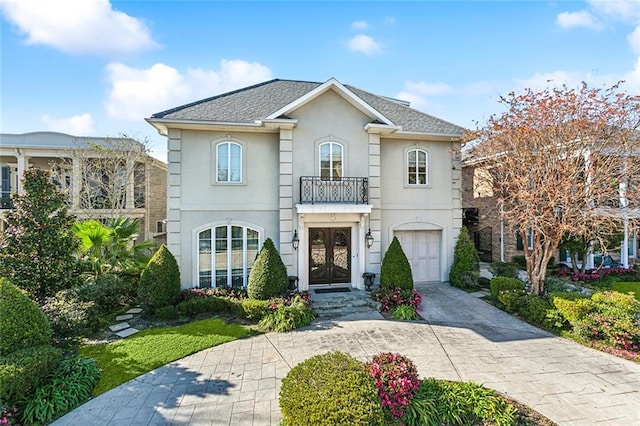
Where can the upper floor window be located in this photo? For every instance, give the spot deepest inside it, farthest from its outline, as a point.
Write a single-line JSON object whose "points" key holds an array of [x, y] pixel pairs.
{"points": [[331, 160], [417, 167], [228, 162]]}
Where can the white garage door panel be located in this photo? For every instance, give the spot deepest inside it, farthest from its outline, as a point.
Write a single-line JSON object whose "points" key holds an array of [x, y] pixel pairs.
{"points": [[423, 251]]}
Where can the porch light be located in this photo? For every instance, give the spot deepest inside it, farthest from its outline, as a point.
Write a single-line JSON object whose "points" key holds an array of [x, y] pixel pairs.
{"points": [[369, 239], [295, 241]]}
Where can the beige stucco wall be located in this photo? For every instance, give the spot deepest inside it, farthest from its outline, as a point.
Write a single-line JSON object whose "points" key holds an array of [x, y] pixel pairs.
{"points": [[195, 200]]}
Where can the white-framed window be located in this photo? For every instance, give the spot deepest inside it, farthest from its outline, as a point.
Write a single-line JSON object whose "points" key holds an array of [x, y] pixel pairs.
{"points": [[530, 239], [226, 254], [417, 167], [331, 160], [228, 162]]}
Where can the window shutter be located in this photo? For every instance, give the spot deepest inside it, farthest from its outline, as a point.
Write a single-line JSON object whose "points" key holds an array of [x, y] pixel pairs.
{"points": [[519, 245]]}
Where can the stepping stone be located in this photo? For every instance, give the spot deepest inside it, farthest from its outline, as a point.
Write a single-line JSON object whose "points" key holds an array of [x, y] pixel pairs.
{"points": [[134, 311], [118, 327], [128, 332], [124, 317]]}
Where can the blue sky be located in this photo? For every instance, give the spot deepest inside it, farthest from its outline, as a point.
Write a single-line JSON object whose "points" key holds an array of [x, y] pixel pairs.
{"points": [[99, 67]]}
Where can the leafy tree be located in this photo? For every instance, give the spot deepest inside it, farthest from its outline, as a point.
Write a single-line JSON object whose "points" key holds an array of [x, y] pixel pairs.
{"points": [[465, 269], [268, 276], [160, 281], [37, 250], [111, 248], [562, 161], [395, 270]]}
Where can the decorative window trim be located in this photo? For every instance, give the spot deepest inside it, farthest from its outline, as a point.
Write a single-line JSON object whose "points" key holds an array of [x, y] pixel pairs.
{"points": [[214, 160], [212, 226], [405, 167]]}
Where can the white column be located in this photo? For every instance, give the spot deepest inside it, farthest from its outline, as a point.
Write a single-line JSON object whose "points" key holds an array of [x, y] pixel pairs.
{"points": [[76, 183], [23, 165]]}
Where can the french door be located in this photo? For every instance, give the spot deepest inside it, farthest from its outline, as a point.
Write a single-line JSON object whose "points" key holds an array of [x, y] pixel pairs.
{"points": [[329, 255]]}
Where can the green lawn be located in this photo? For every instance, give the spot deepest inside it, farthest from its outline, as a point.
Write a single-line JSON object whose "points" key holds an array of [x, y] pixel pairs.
{"points": [[626, 287], [125, 359]]}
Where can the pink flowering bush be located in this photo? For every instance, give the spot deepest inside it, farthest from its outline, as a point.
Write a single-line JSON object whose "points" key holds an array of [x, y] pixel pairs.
{"points": [[7, 414], [396, 378], [392, 297]]}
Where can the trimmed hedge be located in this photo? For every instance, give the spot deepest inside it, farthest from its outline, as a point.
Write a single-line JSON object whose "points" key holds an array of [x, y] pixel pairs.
{"points": [[160, 281], [395, 270], [500, 284], [23, 324], [330, 389], [465, 269], [23, 371], [268, 277]]}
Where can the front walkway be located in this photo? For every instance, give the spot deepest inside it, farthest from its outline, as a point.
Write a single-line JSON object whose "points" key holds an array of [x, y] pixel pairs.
{"points": [[463, 338]]}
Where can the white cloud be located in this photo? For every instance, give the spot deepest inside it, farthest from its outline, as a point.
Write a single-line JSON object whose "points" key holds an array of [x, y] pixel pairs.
{"points": [[72, 26], [421, 94], [359, 25], [364, 44], [79, 125], [138, 93], [628, 10], [634, 39], [577, 19]]}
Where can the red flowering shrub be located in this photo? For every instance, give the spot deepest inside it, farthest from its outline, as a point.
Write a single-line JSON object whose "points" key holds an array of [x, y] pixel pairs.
{"points": [[396, 378], [391, 297]]}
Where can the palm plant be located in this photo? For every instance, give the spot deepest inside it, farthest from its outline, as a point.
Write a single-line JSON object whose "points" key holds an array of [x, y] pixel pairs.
{"points": [[111, 247]]}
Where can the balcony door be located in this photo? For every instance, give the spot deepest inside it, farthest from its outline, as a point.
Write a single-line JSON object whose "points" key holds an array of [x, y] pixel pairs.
{"points": [[329, 255]]}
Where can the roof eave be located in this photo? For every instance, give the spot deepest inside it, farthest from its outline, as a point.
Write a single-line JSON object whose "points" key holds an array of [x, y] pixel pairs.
{"points": [[163, 125], [347, 94]]}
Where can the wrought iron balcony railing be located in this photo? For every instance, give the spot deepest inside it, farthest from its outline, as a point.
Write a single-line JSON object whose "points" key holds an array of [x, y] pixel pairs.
{"points": [[345, 190]]}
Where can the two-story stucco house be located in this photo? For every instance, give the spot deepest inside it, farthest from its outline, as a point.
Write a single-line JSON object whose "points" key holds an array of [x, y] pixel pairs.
{"points": [[77, 162], [329, 172]]}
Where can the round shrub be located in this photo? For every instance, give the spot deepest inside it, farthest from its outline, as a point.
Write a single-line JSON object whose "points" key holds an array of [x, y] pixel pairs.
{"points": [[500, 284], [395, 270], [69, 316], [160, 281], [465, 269], [503, 269], [330, 389], [23, 324], [268, 276], [21, 372]]}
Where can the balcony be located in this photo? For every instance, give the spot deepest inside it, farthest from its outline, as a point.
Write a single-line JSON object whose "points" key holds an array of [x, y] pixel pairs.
{"points": [[344, 190]]}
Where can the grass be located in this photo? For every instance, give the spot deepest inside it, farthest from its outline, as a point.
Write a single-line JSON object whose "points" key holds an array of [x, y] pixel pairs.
{"points": [[126, 359], [628, 287]]}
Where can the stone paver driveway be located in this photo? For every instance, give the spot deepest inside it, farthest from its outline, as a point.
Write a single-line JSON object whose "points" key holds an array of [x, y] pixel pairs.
{"points": [[462, 338]]}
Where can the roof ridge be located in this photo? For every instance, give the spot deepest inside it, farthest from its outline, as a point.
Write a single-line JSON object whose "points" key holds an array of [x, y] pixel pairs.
{"points": [[221, 95]]}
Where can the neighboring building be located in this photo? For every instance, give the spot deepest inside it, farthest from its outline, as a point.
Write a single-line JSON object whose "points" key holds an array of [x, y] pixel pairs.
{"points": [[493, 239], [90, 191], [327, 166]]}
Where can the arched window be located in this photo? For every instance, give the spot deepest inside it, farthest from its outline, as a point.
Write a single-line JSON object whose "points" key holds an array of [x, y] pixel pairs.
{"points": [[417, 160], [331, 161], [228, 162], [225, 255]]}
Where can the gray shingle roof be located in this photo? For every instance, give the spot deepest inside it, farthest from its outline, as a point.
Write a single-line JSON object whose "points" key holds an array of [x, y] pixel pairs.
{"points": [[261, 100]]}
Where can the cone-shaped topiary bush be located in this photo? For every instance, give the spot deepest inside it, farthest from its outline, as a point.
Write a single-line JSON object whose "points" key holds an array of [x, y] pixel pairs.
{"points": [[23, 324], [330, 389], [395, 270], [465, 269], [268, 276], [160, 281]]}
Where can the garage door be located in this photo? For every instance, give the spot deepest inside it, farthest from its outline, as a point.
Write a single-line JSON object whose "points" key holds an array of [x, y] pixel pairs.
{"points": [[423, 251]]}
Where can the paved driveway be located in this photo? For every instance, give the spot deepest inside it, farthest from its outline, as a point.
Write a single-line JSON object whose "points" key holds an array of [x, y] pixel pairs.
{"points": [[462, 338]]}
